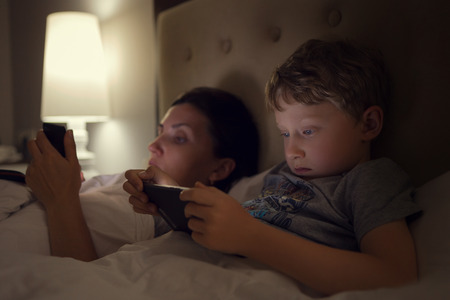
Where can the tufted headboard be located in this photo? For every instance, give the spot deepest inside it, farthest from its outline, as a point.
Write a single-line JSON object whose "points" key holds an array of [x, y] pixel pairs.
{"points": [[235, 44]]}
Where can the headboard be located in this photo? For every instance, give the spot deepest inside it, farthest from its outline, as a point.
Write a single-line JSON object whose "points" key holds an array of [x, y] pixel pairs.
{"points": [[235, 44]]}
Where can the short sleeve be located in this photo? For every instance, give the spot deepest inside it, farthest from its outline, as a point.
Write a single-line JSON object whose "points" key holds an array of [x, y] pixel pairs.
{"points": [[380, 192]]}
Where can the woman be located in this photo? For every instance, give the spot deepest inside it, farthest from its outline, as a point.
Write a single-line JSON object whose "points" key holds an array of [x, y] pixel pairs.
{"points": [[207, 135]]}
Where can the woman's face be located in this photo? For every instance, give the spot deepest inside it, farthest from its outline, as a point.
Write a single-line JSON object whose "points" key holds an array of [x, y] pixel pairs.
{"points": [[184, 148]]}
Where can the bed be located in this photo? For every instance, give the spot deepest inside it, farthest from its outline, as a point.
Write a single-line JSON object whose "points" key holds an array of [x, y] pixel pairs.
{"points": [[234, 45]]}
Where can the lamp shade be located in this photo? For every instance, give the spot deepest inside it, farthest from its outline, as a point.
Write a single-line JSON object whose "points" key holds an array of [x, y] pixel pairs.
{"points": [[74, 75]]}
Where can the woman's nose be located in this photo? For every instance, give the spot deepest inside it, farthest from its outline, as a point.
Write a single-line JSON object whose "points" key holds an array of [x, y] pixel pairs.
{"points": [[155, 146]]}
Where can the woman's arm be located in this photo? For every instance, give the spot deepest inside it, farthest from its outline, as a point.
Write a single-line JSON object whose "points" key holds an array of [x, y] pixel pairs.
{"points": [[56, 182], [220, 223]]}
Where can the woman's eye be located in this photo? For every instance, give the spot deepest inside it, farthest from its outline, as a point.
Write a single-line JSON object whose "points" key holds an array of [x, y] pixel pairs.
{"points": [[180, 139], [285, 134]]}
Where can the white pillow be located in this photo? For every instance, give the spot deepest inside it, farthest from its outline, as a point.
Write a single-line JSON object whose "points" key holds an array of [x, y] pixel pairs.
{"points": [[248, 188], [13, 196], [431, 231]]}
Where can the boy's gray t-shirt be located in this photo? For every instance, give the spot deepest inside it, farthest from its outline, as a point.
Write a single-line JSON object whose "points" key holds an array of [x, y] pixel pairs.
{"points": [[336, 211]]}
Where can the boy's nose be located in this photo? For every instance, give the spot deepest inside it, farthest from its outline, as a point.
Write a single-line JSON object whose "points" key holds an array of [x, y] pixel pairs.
{"points": [[294, 150]]}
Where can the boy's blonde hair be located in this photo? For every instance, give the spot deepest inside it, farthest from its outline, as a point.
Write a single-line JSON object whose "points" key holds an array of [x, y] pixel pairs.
{"points": [[351, 77]]}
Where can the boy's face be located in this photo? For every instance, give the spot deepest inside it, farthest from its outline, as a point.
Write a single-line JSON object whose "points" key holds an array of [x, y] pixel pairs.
{"points": [[320, 140]]}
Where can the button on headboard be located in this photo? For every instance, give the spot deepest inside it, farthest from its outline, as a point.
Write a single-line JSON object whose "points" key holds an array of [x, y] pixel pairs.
{"points": [[235, 45]]}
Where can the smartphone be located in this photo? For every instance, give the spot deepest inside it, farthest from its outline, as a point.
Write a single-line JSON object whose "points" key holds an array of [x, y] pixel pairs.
{"points": [[170, 207], [55, 134]]}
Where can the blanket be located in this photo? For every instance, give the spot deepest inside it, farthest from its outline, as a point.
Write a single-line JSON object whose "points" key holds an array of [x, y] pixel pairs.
{"points": [[135, 265]]}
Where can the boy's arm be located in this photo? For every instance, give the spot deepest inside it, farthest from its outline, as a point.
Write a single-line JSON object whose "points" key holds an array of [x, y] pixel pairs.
{"points": [[387, 258]]}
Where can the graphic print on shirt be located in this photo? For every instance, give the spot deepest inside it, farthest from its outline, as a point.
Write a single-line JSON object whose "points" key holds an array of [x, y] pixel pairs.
{"points": [[280, 201]]}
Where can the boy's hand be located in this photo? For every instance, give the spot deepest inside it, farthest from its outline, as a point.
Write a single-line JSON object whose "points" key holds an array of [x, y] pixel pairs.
{"points": [[217, 221], [134, 186]]}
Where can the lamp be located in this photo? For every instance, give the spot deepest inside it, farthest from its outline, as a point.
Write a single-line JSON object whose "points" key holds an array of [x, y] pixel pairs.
{"points": [[74, 88]]}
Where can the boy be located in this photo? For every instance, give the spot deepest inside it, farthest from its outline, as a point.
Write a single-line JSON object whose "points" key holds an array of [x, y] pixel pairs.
{"points": [[329, 216]]}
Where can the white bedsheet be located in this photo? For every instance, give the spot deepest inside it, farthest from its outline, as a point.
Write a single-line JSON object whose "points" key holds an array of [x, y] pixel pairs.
{"points": [[108, 214], [170, 267], [136, 266]]}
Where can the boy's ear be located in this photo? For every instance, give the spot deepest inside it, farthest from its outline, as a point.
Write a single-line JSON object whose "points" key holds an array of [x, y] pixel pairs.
{"points": [[372, 122], [223, 170]]}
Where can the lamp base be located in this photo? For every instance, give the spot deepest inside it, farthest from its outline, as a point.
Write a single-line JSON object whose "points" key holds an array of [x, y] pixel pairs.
{"points": [[85, 158]]}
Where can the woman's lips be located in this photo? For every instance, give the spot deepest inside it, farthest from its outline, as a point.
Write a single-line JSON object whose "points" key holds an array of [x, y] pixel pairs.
{"points": [[152, 163]]}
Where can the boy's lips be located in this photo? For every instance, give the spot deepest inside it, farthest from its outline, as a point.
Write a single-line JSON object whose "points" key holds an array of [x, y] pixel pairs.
{"points": [[301, 170]]}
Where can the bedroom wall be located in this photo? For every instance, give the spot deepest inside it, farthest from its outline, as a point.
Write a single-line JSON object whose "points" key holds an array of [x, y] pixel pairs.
{"points": [[6, 107], [128, 34], [129, 49]]}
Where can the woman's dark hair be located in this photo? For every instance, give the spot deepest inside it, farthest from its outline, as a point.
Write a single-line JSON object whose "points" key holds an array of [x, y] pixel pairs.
{"points": [[231, 127]]}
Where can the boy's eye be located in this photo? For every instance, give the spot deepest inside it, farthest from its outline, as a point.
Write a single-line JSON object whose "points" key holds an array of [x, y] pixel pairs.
{"points": [[308, 132], [285, 134]]}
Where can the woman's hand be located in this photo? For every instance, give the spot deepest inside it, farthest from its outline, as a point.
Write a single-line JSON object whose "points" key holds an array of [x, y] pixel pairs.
{"points": [[134, 186], [54, 179], [56, 182], [217, 220]]}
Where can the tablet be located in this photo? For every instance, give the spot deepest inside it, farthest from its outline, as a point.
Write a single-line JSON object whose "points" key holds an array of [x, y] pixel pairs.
{"points": [[170, 207]]}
